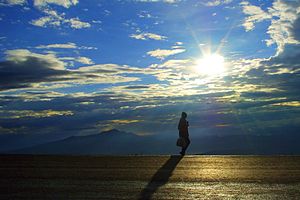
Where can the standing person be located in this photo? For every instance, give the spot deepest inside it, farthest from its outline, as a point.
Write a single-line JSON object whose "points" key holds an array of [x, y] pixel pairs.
{"points": [[184, 132]]}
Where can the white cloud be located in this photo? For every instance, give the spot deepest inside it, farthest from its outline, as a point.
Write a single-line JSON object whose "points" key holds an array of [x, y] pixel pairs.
{"points": [[85, 60], [87, 48], [256, 14], [145, 14], [22, 55], [69, 45], [64, 3], [44, 20], [97, 21], [12, 2], [146, 36], [217, 2], [112, 69], [58, 46], [40, 3], [80, 59], [282, 15], [163, 53], [77, 24], [54, 19]]}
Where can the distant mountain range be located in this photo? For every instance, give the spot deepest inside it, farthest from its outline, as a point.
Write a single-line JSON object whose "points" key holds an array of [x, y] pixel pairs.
{"points": [[115, 142], [107, 142]]}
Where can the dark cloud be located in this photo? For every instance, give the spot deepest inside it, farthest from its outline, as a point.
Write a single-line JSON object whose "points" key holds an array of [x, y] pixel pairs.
{"points": [[289, 58], [296, 29], [23, 68], [137, 87], [153, 115], [20, 74]]}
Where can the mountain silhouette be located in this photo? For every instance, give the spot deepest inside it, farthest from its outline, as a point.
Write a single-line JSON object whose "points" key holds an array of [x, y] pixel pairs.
{"points": [[107, 142], [116, 142]]}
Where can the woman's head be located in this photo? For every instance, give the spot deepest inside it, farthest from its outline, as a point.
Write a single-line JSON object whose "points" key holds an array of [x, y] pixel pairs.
{"points": [[183, 115]]}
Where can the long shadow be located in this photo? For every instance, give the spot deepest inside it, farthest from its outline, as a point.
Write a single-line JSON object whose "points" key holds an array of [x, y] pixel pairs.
{"points": [[160, 178]]}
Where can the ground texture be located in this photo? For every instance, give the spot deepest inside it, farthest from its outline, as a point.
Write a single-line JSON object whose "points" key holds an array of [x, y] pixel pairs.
{"points": [[149, 177]]}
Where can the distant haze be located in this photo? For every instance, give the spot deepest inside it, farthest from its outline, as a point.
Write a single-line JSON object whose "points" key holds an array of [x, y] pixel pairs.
{"points": [[115, 142]]}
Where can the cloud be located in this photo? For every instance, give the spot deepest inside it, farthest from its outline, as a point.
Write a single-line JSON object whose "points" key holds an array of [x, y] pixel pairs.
{"points": [[77, 24], [69, 45], [85, 60], [136, 87], [43, 21], [283, 31], [145, 14], [119, 110], [178, 74], [58, 46], [264, 88], [283, 16], [289, 103], [256, 14], [41, 3], [12, 2], [17, 114], [80, 59], [54, 19], [114, 69], [163, 53], [23, 55], [217, 2], [288, 57], [124, 121], [64, 3], [219, 101], [24, 69], [146, 36]]}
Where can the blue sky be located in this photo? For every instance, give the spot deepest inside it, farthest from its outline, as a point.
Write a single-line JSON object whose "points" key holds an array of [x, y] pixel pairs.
{"points": [[80, 67]]}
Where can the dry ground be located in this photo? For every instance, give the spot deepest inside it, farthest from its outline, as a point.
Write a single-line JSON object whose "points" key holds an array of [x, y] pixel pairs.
{"points": [[149, 177]]}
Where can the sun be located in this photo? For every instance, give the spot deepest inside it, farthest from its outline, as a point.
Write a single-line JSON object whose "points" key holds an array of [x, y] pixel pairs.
{"points": [[210, 65]]}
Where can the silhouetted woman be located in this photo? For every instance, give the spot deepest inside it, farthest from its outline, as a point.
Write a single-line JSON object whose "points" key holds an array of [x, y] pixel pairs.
{"points": [[183, 131]]}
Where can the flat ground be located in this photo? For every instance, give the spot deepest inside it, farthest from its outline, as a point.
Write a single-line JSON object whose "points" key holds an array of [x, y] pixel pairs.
{"points": [[149, 177]]}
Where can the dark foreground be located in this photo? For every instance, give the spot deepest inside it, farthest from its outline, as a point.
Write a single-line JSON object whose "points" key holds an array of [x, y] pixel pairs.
{"points": [[149, 177]]}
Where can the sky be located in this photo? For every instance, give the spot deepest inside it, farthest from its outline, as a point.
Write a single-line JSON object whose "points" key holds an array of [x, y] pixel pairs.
{"points": [[78, 67]]}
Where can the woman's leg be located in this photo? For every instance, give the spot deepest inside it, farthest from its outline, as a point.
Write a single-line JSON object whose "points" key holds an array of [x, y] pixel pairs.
{"points": [[187, 140]]}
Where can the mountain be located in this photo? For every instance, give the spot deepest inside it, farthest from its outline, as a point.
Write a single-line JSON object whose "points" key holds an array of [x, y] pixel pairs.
{"points": [[115, 142], [108, 142], [10, 142]]}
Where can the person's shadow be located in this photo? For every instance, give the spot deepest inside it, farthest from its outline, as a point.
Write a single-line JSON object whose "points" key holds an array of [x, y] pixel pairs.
{"points": [[160, 178]]}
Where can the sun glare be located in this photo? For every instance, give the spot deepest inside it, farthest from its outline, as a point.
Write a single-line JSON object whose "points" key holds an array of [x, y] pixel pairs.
{"points": [[212, 64]]}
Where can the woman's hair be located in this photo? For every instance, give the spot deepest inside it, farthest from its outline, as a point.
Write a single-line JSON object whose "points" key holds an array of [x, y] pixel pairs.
{"points": [[183, 115]]}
